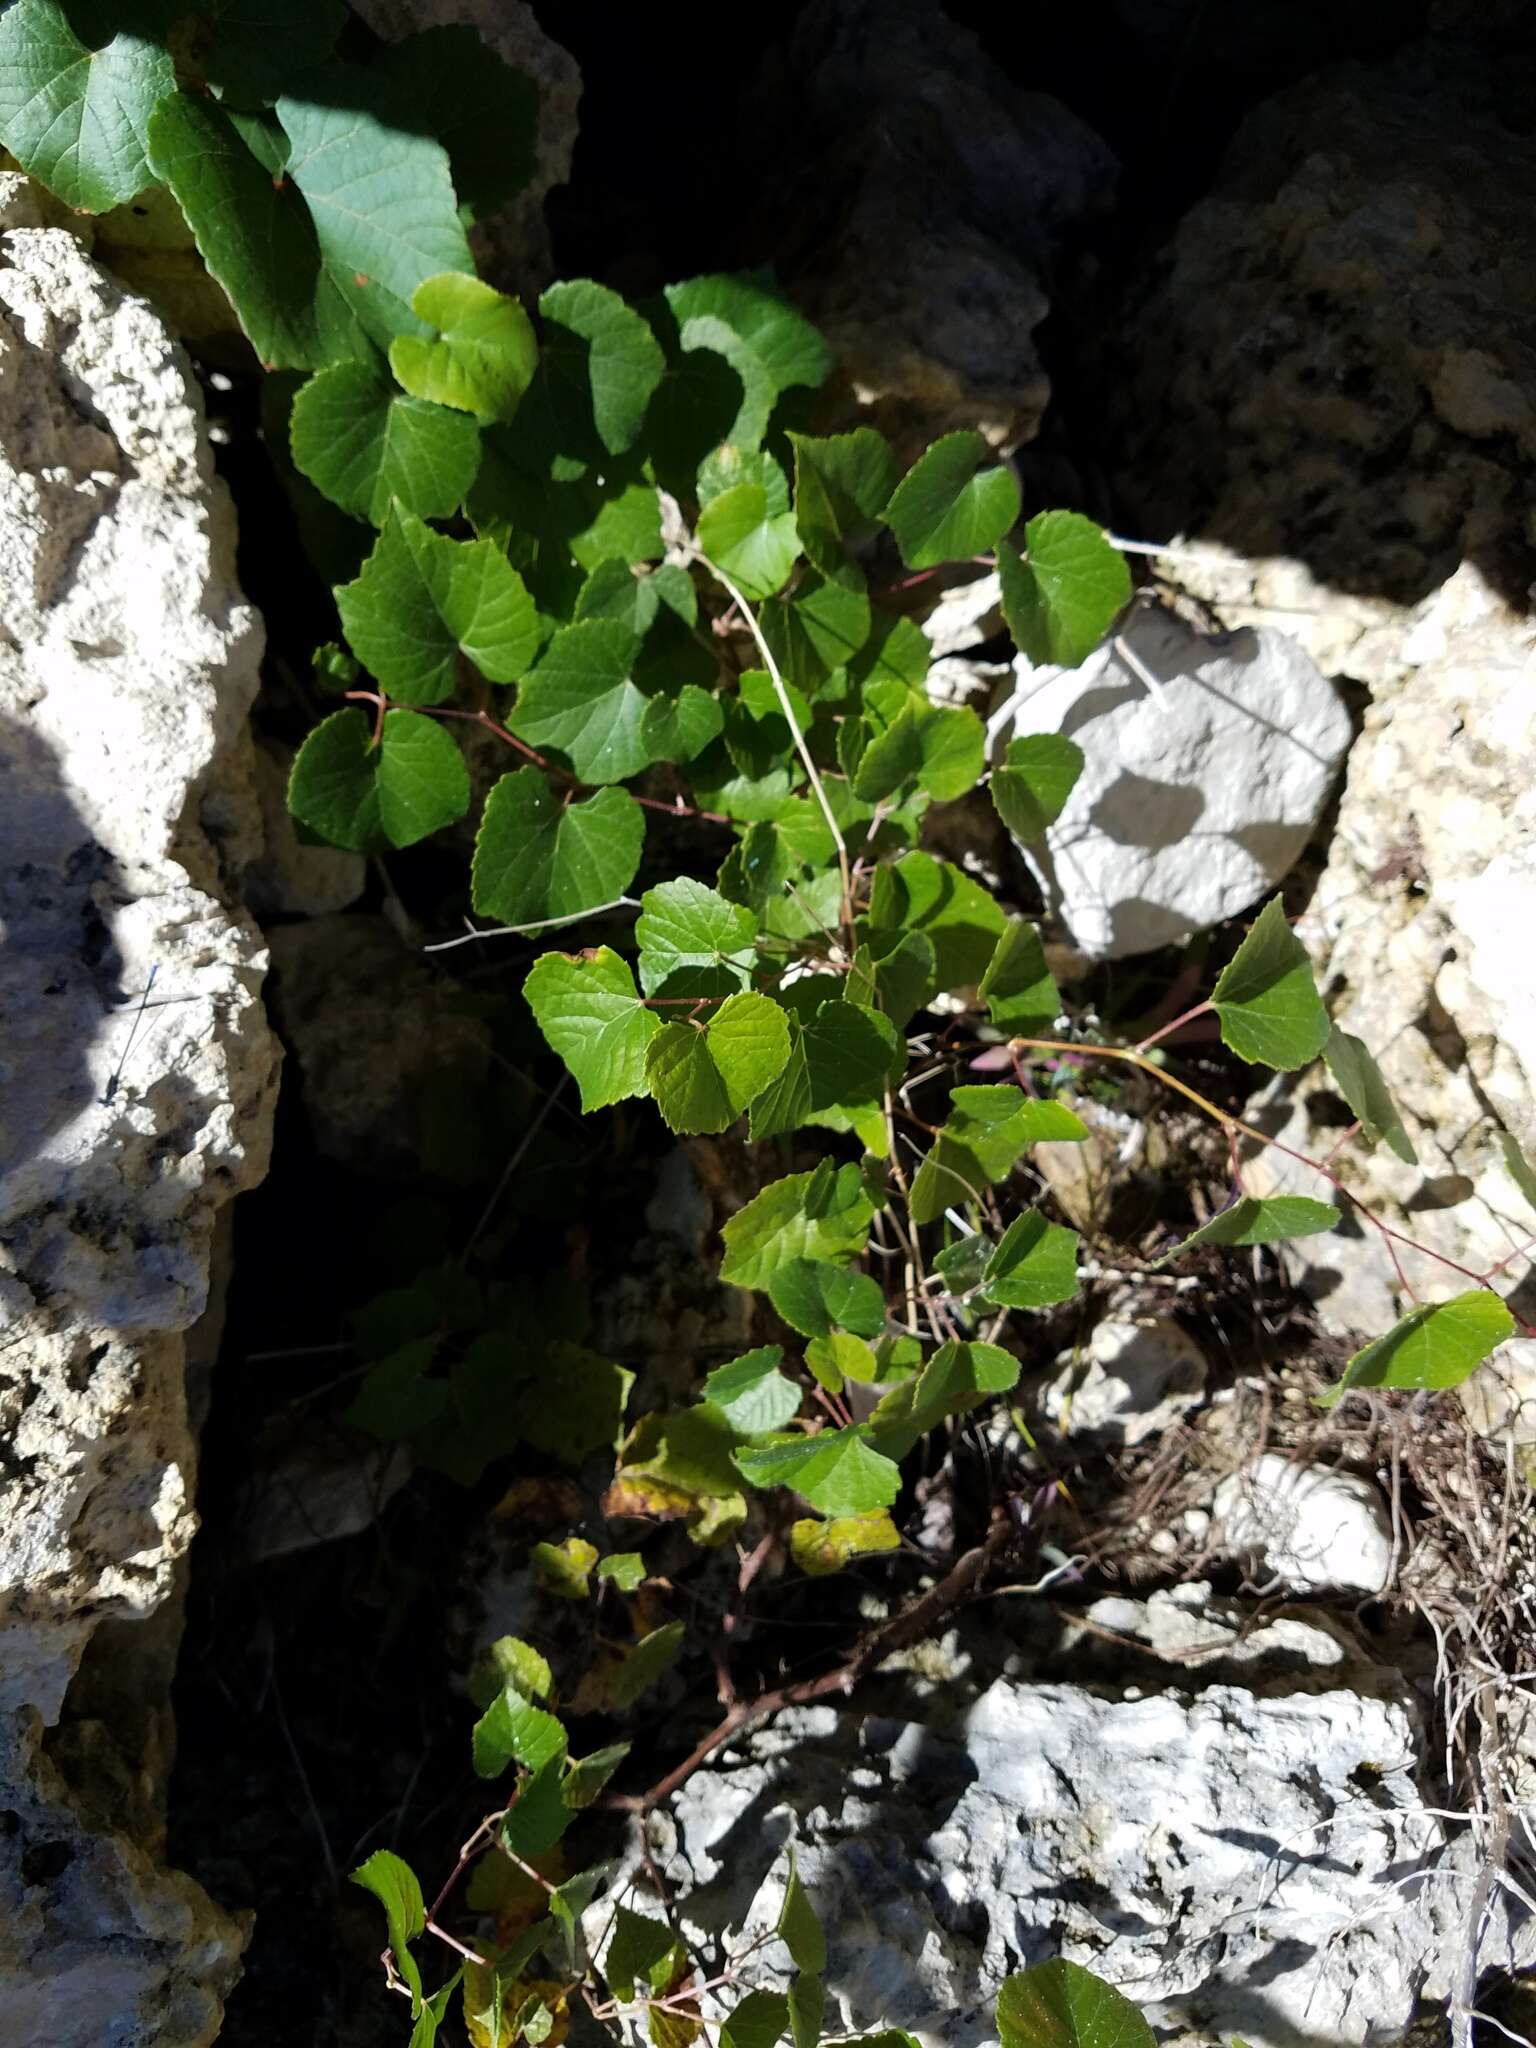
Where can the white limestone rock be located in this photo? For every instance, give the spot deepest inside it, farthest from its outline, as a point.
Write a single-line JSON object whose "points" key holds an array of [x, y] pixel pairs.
{"points": [[1419, 931], [128, 661], [1247, 1858], [1208, 760], [1312, 1528], [1132, 1380]]}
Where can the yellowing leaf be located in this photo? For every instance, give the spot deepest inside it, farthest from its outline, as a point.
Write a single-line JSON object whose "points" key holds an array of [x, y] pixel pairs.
{"points": [[821, 1547]]}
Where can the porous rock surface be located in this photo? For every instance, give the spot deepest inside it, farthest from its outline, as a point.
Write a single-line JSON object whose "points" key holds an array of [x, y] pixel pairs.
{"points": [[939, 202], [128, 661], [1242, 1848], [1334, 356], [1208, 759], [1419, 929]]}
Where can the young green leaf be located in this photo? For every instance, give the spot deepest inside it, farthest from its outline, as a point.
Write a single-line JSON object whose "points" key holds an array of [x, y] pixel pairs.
{"points": [[820, 627], [770, 346], [482, 355], [434, 2011], [639, 1951], [959, 918], [586, 1776], [702, 1079], [760, 2021], [614, 591], [941, 748], [955, 1380], [1266, 999], [1266, 1220], [381, 199], [567, 1903], [365, 444], [1061, 2005], [851, 1054], [510, 1661], [1362, 1087], [981, 1138], [588, 1008], [755, 548], [943, 511], [839, 1357], [76, 118], [692, 941], [894, 972], [820, 1215], [1061, 601], [751, 1392], [513, 1730], [1436, 1345], [540, 1817], [835, 1471], [624, 362], [421, 599], [799, 1929], [1033, 785], [843, 482], [1018, 988], [728, 465], [626, 1568], [1034, 1265], [368, 798], [814, 1296], [580, 699], [394, 1884], [538, 858], [640, 1668], [831, 1546], [564, 1569], [680, 728]]}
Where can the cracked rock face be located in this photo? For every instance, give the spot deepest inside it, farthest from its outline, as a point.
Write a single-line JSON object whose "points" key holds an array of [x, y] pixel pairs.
{"points": [[1245, 1857], [128, 661]]}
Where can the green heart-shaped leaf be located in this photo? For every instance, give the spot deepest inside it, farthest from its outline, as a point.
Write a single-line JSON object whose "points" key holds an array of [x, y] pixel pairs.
{"points": [[482, 357], [944, 511], [368, 798], [537, 857]]}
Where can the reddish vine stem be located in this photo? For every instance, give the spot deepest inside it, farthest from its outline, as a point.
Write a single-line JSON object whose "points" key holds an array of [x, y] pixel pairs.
{"points": [[903, 1628], [1234, 1125], [484, 719]]}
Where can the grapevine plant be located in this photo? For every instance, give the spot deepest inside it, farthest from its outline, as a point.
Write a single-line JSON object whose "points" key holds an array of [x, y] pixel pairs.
{"points": [[607, 541]]}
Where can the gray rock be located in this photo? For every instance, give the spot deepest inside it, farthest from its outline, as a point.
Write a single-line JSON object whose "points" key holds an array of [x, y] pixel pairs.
{"points": [[1332, 357], [291, 877], [1132, 1380], [942, 197], [1247, 1856], [128, 661], [1208, 761], [371, 1023]]}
